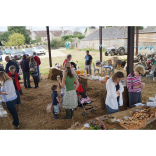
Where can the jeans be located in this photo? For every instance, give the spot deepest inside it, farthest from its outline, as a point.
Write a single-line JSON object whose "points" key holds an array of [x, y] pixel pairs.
{"points": [[26, 76], [20, 91], [134, 98], [11, 106], [111, 111], [38, 73]]}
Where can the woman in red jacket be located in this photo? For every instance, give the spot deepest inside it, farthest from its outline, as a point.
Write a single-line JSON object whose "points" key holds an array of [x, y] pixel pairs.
{"points": [[15, 77]]}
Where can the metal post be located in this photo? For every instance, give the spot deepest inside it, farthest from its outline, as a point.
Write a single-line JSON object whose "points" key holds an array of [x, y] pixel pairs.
{"points": [[49, 49], [137, 38], [100, 39], [130, 49]]}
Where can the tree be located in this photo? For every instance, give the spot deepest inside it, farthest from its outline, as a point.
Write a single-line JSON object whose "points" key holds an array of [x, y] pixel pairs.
{"points": [[20, 30], [85, 31], [140, 27], [38, 38], [77, 32], [80, 36], [15, 39], [4, 36]]}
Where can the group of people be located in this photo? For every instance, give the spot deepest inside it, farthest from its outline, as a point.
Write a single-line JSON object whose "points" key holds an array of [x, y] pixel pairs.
{"points": [[69, 87], [10, 90], [115, 89]]}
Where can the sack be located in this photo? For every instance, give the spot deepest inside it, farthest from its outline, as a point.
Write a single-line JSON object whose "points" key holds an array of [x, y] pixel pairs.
{"points": [[49, 108], [32, 69]]}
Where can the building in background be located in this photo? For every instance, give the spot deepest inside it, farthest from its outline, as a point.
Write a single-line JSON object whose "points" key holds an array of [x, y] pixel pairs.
{"points": [[53, 34]]}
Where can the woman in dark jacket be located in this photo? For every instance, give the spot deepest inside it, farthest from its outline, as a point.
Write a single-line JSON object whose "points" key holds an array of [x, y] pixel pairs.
{"points": [[15, 77], [34, 72]]}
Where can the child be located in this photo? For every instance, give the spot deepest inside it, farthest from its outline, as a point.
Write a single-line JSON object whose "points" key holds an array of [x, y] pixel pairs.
{"points": [[56, 101]]}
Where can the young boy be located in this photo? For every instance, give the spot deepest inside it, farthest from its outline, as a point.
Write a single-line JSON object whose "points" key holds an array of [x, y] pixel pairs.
{"points": [[56, 101]]}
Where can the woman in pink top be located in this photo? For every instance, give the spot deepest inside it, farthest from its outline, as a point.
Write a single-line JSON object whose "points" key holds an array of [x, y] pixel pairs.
{"points": [[135, 86]]}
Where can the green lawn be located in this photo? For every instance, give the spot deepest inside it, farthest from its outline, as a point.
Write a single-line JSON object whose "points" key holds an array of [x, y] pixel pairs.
{"points": [[76, 56]]}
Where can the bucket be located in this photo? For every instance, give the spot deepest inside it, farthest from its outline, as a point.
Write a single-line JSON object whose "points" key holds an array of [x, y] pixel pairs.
{"points": [[106, 77], [118, 62]]}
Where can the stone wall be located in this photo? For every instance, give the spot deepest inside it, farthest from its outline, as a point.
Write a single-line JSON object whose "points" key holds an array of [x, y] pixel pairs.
{"points": [[94, 44]]}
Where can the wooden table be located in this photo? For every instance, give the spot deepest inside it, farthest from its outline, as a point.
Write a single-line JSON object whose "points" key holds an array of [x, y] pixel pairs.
{"points": [[118, 115]]}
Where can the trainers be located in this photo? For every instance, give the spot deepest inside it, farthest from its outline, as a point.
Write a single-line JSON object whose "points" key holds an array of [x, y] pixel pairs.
{"points": [[16, 127]]}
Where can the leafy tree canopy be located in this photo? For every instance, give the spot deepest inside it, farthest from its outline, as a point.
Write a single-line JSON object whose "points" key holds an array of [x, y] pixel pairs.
{"points": [[15, 39], [20, 30]]}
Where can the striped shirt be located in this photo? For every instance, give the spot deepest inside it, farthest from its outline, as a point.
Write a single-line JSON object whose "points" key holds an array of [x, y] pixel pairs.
{"points": [[132, 80]]}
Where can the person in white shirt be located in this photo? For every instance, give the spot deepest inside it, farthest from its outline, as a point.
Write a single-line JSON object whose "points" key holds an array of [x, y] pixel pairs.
{"points": [[114, 93], [8, 94]]}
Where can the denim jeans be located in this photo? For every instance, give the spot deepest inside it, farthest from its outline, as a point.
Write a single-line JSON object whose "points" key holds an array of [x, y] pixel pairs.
{"points": [[11, 106], [26, 77], [134, 98], [38, 73], [111, 111]]}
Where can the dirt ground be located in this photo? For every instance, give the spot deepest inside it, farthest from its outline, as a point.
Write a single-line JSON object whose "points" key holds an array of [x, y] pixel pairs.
{"points": [[32, 110]]}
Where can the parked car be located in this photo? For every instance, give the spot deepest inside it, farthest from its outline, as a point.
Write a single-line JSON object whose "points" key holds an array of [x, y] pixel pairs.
{"points": [[7, 51], [0, 58], [27, 51], [39, 50], [16, 52], [1, 53]]}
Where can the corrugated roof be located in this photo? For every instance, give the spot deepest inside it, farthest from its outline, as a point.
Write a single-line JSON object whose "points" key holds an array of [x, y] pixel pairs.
{"points": [[108, 33]]}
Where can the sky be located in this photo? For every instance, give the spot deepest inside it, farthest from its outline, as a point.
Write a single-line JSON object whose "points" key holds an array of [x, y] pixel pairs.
{"points": [[72, 28], [36, 28]]}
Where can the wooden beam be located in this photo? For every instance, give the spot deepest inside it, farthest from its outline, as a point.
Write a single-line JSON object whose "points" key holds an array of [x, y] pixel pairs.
{"points": [[49, 48], [100, 40]]}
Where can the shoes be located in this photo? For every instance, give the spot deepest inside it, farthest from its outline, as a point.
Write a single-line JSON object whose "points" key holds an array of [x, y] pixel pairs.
{"points": [[67, 114], [16, 127], [29, 87], [55, 116], [71, 113], [35, 87], [26, 87]]}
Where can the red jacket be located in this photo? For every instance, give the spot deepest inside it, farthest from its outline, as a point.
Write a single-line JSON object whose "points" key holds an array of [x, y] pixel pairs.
{"points": [[37, 59], [16, 80], [79, 89]]}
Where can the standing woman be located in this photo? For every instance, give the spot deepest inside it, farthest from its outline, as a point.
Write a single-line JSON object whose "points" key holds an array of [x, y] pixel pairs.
{"points": [[9, 96], [135, 86], [114, 93], [70, 100], [15, 77], [34, 71]]}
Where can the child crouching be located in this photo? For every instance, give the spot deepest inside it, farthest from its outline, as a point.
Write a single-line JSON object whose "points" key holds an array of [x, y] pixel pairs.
{"points": [[56, 102]]}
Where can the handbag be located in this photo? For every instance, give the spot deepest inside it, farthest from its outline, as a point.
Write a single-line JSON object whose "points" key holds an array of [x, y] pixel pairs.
{"points": [[32, 69]]}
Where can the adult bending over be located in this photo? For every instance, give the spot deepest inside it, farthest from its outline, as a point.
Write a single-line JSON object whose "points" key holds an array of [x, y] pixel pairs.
{"points": [[34, 71], [9, 96], [135, 86], [15, 77], [10, 63], [114, 93], [70, 100]]}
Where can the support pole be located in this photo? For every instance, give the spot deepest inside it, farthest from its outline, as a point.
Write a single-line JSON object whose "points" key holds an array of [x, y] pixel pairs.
{"points": [[130, 57], [100, 39], [137, 39], [130, 49], [49, 49]]}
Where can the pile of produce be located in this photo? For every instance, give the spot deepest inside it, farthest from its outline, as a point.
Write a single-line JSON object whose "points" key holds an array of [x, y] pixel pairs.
{"points": [[95, 126]]}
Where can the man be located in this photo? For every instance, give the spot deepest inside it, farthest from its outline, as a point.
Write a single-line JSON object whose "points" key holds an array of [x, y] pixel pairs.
{"points": [[26, 74], [37, 59], [88, 63], [68, 59], [10, 63]]}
